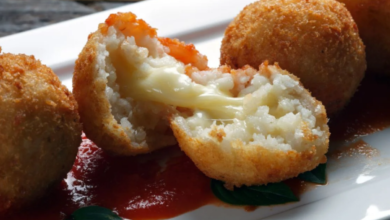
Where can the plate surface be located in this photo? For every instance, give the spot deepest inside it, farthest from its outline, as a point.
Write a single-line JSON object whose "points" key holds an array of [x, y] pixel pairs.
{"points": [[358, 186]]}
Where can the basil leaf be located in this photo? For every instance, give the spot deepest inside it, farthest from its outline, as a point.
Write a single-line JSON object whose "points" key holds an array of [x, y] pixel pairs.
{"points": [[275, 193], [219, 190], [94, 213], [318, 175], [270, 194]]}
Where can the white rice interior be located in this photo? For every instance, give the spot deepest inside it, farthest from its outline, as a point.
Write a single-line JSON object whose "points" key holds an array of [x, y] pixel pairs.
{"points": [[276, 110], [143, 122], [274, 114]]}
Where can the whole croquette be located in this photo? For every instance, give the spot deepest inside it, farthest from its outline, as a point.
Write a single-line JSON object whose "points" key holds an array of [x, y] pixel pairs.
{"points": [[373, 20], [316, 40], [240, 126], [40, 130]]}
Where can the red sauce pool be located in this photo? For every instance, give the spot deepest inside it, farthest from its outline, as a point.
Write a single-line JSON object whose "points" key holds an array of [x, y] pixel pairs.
{"points": [[298, 186], [141, 188], [368, 111], [354, 149], [134, 187]]}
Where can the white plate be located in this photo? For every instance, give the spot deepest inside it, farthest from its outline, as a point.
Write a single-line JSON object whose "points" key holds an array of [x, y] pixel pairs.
{"points": [[358, 188]]}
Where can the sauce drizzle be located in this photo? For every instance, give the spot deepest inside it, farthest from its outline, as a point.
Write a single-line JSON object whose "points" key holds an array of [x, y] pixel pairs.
{"points": [[368, 111], [355, 149], [134, 187]]}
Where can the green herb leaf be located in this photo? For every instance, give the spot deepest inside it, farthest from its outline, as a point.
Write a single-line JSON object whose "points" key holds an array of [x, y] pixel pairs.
{"points": [[270, 194], [318, 175], [223, 194], [276, 193], [94, 213]]}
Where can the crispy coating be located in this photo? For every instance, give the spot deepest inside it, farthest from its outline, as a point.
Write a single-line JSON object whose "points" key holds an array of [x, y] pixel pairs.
{"points": [[316, 40], [373, 20], [40, 130], [89, 89], [253, 164], [243, 165], [94, 108]]}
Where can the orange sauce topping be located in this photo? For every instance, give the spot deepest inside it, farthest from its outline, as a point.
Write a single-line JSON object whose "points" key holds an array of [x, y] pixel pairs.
{"points": [[129, 25], [186, 53]]}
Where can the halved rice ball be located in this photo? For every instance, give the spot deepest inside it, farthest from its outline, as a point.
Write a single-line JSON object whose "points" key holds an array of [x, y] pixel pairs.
{"points": [[277, 132], [116, 122], [240, 126]]}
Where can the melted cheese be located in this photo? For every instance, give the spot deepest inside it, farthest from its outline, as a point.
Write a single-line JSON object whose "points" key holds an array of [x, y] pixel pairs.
{"points": [[169, 85]]}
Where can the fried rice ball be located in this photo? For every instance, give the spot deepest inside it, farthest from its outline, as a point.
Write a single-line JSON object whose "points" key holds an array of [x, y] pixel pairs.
{"points": [[240, 126], [40, 130], [115, 122], [373, 20], [316, 40], [278, 131]]}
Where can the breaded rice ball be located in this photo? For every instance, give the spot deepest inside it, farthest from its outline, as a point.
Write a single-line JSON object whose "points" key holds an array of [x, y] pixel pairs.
{"points": [[278, 131], [116, 122], [373, 20], [316, 40], [240, 126], [40, 130]]}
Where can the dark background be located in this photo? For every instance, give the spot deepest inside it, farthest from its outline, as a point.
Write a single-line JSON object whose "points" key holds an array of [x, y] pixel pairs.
{"points": [[21, 15]]}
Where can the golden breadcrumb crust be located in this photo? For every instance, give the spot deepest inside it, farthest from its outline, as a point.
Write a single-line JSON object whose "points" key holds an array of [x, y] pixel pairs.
{"points": [[252, 164], [89, 90], [40, 130], [316, 40], [373, 20]]}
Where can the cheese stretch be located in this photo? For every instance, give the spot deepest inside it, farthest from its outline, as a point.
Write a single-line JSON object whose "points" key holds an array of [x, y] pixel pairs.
{"points": [[169, 85]]}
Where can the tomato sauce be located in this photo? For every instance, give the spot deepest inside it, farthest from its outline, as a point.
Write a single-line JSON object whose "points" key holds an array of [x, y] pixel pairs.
{"points": [[368, 111], [298, 186], [360, 148], [134, 187]]}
